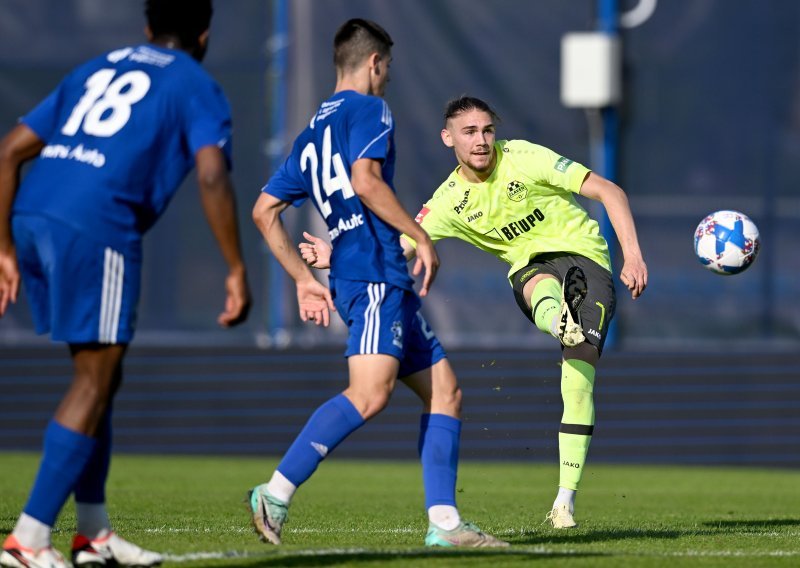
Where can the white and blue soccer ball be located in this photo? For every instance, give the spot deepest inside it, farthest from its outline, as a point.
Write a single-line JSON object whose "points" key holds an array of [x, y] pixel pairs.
{"points": [[726, 242]]}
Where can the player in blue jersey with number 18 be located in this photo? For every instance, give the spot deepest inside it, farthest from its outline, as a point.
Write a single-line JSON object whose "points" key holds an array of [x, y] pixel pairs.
{"points": [[344, 162], [114, 141]]}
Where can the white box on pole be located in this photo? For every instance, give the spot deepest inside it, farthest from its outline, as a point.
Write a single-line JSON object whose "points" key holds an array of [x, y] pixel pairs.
{"points": [[591, 69]]}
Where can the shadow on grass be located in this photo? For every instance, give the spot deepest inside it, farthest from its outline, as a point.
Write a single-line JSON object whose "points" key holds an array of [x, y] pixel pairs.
{"points": [[580, 537], [333, 557], [754, 524]]}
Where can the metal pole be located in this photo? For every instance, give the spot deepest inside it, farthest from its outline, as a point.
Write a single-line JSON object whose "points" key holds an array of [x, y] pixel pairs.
{"points": [[278, 48], [608, 22]]}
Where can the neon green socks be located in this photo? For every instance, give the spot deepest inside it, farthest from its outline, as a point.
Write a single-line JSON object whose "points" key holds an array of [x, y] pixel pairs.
{"points": [[577, 423], [546, 304]]}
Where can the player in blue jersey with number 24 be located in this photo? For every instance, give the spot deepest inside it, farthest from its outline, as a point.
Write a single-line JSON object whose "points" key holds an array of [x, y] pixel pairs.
{"points": [[344, 162], [114, 141]]}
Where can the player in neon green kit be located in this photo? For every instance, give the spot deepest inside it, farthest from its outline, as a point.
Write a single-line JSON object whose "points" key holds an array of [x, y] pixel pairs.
{"points": [[516, 200]]}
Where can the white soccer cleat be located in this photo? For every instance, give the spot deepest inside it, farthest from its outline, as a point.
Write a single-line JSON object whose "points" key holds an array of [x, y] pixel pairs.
{"points": [[574, 291], [15, 555], [561, 517], [110, 549]]}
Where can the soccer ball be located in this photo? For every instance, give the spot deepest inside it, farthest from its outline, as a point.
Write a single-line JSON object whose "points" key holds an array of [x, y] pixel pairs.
{"points": [[726, 242]]}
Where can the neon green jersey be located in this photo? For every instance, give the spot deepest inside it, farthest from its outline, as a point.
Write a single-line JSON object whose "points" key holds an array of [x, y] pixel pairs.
{"points": [[526, 207]]}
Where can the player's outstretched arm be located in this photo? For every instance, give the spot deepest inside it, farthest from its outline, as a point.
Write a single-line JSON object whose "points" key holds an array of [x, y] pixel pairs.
{"points": [[219, 204], [317, 252], [613, 198], [368, 184], [313, 299], [18, 146]]}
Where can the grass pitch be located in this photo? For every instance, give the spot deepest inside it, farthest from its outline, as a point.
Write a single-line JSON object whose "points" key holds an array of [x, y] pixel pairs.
{"points": [[365, 513]]}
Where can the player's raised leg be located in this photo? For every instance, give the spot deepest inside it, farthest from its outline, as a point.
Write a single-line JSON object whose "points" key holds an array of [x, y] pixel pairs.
{"points": [[556, 306], [372, 379]]}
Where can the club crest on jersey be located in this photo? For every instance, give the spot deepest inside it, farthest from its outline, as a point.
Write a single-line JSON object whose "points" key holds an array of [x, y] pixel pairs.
{"points": [[397, 332], [516, 191]]}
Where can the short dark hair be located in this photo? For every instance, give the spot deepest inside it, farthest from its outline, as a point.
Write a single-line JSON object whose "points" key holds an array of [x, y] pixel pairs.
{"points": [[186, 19], [356, 40], [464, 103]]}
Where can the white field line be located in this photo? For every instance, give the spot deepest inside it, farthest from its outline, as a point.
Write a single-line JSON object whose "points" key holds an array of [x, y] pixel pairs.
{"points": [[509, 532], [513, 551]]}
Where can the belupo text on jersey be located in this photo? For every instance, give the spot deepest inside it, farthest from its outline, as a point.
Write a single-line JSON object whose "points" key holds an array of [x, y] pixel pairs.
{"points": [[355, 220], [523, 225]]}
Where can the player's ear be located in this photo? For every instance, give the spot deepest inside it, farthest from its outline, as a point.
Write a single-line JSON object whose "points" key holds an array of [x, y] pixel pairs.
{"points": [[447, 138], [148, 33], [202, 40], [373, 60]]}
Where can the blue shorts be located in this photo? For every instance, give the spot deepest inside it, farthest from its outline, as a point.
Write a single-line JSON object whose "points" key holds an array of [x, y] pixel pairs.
{"points": [[384, 319], [79, 290]]}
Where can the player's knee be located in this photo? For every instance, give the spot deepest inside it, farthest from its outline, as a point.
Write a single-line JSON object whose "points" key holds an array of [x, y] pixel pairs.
{"points": [[585, 352], [369, 403], [448, 401]]}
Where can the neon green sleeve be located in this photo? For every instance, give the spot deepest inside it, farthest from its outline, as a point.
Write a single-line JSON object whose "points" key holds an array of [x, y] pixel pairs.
{"points": [[546, 166], [434, 219]]}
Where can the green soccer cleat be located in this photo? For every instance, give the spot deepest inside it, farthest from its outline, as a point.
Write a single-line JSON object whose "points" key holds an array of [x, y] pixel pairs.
{"points": [[465, 535], [561, 517], [574, 291], [268, 514]]}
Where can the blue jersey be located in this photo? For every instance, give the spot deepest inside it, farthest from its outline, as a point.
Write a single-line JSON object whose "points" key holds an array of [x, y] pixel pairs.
{"points": [[121, 133], [347, 127]]}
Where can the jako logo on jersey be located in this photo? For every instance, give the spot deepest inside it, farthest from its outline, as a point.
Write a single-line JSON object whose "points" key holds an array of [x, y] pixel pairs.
{"points": [[356, 220], [516, 228], [571, 464], [460, 207], [421, 215], [474, 216], [516, 190], [595, 333], [562, 164]]}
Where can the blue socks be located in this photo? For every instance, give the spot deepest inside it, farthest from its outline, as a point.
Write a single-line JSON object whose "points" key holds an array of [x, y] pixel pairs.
{"points": [[91, 486], [66, 454], [439, 437], [327, 427]]}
